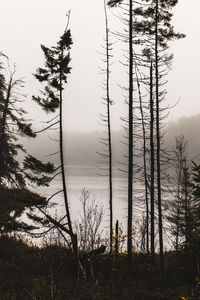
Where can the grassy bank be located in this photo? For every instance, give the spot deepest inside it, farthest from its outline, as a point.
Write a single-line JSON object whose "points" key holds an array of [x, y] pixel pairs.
{"points": [[50, 273]]}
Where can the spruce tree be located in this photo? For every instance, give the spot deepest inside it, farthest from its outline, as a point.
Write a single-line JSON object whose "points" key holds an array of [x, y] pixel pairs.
{"points": [[152, 25], [157, 24], [55, 74], [15, 195]]}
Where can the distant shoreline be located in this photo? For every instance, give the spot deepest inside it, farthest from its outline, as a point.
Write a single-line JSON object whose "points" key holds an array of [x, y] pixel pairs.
{"points": [[94, 171]]}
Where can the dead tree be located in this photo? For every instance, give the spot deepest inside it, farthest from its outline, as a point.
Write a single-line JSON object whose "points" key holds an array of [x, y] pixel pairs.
{"points": [[106, 161]]}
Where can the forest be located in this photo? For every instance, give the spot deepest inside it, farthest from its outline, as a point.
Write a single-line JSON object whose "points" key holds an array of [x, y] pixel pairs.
{"points": [[48, 255]]}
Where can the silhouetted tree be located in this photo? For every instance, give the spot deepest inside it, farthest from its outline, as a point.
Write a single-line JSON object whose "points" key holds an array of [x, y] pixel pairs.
{"points": [[106, 162], [14, 203], [156, 23], [55, 74], [12, 124], [144, 157], [152, 165], [183, 208], [176, 205], [16, 196], [113, 3], [195, 185]]}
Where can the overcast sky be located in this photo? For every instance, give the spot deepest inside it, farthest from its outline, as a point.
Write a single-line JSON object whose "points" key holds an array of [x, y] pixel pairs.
{"points": [[25, 24]]}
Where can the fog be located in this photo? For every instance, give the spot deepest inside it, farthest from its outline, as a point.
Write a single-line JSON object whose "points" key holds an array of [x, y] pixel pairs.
{"points": [[81, 148], [27, 24], [190, 128]]}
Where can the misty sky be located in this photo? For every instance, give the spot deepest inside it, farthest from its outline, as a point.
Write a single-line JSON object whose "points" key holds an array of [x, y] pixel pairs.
{"points": [[25, 24]]}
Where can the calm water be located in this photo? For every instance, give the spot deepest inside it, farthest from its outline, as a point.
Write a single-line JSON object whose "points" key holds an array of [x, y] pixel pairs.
{"points": [[84, 177], [78, 178]]}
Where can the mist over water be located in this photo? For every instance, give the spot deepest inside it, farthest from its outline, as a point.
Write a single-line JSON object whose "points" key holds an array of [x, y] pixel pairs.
{"points": [[82, 170], [81, 148]]}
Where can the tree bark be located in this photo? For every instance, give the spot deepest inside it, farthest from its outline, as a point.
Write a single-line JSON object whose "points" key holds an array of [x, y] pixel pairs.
{"points": [[145, 166], [152, 165], [130, 124], [72, 235], [158, 142], [109, 127]]}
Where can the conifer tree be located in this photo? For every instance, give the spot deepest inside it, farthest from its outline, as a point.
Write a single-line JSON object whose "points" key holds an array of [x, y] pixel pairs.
{"points": [[152, 24], [176, 204], [15, 195], [54, 75], [157, 24], [12, 123], [195, 216]]}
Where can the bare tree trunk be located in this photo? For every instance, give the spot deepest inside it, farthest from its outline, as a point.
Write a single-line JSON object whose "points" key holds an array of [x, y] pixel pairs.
{"points": [[117, 237], [145, 166], [108, 102], [152, 165], [187, 212], [158, 142], [178, 212], [72, 235], [130, 122]]}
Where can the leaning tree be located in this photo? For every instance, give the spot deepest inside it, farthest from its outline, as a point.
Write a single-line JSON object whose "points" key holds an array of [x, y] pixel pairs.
{"points": [[55, 74]]}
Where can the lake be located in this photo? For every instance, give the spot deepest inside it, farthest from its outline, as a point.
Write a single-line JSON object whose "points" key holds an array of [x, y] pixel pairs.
{"points": [[81, 177]]}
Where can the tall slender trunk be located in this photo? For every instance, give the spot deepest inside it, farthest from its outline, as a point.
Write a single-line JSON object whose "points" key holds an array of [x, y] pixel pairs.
{"points": [[158, 142], [152, 164], [179, 203], [117, 237], [187, 211], [73, 236], [145, 165], [109, 126], [130, 124], [177, 231]]}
